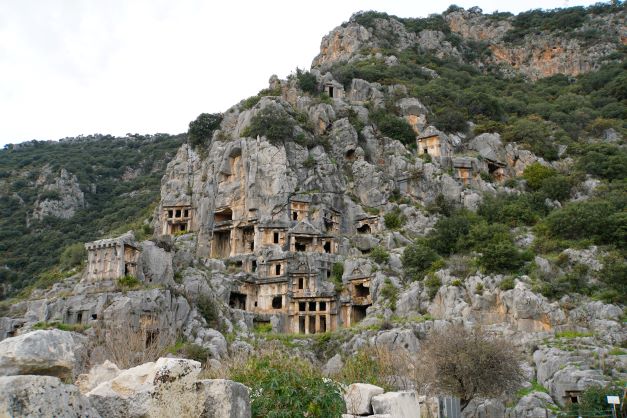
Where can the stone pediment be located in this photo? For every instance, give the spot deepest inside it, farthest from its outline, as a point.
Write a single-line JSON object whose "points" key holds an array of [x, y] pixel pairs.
{"points": [[304, 228]]}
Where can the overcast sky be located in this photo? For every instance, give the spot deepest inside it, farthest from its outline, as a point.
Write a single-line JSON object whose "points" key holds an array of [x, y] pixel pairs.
{"points": [[71, 67]]}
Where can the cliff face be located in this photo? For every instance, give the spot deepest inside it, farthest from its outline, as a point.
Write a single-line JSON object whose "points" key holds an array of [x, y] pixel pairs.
{"points": [[535, 53]]}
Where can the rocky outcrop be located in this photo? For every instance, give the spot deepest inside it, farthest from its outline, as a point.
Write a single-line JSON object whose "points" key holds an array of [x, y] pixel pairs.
{"points": [[50, 352], [61, 195], [37, 396], [358, 398], [169, 387]]}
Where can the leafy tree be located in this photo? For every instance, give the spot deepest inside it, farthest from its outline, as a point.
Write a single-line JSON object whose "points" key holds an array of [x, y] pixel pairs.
{"points": [[394, 127], [72, 256], [536, 173], [500, 255], [468, 364], [418, 258], [273, 123], [201, 129], [590, 219], [534, 132], [450, 233], [306, 81]]}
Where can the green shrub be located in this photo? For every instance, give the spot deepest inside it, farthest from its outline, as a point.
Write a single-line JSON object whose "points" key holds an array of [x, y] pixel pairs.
{"points": [[128, 282], [394, 220], [507, 283], [536, 133], [592, 219], [394, 127], [500, 255], [417, 259], [250, 102], [72, 256], [306, 81], [449, 120], [288, 386], [337, 271], [273, 123], [432, 284], [594, 399], [49, 195], [390, 293], [201, 129], [536, 174], [457, 283], [451, 233], [613, 275], [602, 160], [208, 310], [509, 209], [379, 255]]}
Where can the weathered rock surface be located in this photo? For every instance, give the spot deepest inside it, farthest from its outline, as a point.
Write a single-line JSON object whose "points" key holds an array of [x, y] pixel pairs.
{"points": [[37, 396], [43, 352], [397, 404], [61, 196], [358, 397]]}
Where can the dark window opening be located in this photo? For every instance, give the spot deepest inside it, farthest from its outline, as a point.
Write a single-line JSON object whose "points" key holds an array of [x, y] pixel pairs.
{"points": [[238, 263], [362, 291], [254, 266], [295, 216], [277, 302], [178, 213], [328, 274], [364, 229], [237, 300], [323, 324], [276, 237], [301, 283], [312, 324], [251, 245], [426, 151], [327, 247], [323, 306], [170, 213], [350, 154], [328, 223], [255, 304], [186, 213], [277, 269], [183, 227], [492, 167], [299, 246], [359, 313], [151, 337], [94, 316], [224, 215], [330, 91], [79, 317], [365, 251], [301, 325], [312, 306], [301, 306]]}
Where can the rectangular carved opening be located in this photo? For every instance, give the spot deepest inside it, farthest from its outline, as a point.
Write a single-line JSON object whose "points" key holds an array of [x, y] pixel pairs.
{"points": [[359, 313], [277, 270], [178, 213], [312, 324], [327, 247], [312, 306], [362, 291], [301, 283], [276, 237], [221, 247], [323, 324], [301, 324], [364, 229], [323, 306], [277, 302], [254, 266], [302, 306], [299, 246], [237, 300], [224, 215]]}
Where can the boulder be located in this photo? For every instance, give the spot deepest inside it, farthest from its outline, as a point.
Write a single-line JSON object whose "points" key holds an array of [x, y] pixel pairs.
{"points": [[358, 397], [43, 352], [156, 264], [149, 389], [223, 399], [37, 396], [397, 404], [333, 366], [534, 405], [97, 375]]}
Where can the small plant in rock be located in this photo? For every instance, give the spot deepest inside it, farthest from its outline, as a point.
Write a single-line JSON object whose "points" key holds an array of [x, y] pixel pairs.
{"points": [[273, 123], [128, 282], [306, 81], [394, 220], [379, 255], [390, 293], [432, 284]]}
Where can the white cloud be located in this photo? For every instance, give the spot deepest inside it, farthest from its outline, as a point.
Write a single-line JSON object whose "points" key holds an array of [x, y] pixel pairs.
{"points": [[71, 67]]}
